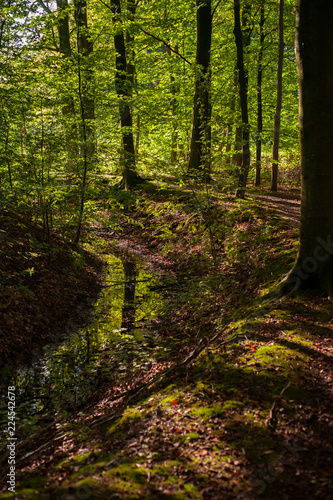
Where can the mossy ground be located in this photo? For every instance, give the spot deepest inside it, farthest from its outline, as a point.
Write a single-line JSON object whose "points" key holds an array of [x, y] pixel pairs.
{"points": [[251, 416]]}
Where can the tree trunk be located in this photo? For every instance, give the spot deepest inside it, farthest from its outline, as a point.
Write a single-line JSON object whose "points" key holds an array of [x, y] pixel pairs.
{"points": [[68, 109], [257, 181], [85, 49], [277, 117], [199, 161], [243, 87], [237, 157], [314, 51], [174, 92], [123, 79], [87, 104]]}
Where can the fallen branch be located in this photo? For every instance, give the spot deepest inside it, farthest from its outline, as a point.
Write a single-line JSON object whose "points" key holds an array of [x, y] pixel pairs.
{"points": [[272, 420]]}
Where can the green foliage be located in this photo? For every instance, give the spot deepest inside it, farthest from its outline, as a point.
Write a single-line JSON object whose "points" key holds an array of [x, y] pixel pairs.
{"points": [[41, 142]]}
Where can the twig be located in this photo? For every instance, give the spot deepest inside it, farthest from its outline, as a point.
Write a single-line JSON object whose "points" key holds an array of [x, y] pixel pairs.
{"points": [[271, 420]]}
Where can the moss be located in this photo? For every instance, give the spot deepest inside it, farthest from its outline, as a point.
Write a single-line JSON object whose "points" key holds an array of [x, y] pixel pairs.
{"points": [[130, 416], [130, 472], [191, 436], [165, 469], [232, 405], [81, 458], [85, 470], [176, 395], [209, 411], [87, 483], [299, 338], [190, 488], [26, 493], [127, 479], [269, 356]]}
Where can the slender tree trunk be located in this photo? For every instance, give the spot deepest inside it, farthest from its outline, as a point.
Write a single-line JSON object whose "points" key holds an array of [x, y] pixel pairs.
{"points": [[314, 52], [131, 71], [228, 144], [6, 125], [2, 23], [259, 97], [277, 117], [130, 54], [68, 109], [87, 104], [237, 157], [124, 90], [243, 87], [174, 92], [137, 136], [199, 161], [85, 50]]}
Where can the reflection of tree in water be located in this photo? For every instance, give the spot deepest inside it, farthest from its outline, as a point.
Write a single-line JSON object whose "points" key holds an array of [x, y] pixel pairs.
{"points": [[128, 312]]}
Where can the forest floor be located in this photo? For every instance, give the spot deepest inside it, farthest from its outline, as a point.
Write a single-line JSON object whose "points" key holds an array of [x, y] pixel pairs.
{"points": [[236, 401]]}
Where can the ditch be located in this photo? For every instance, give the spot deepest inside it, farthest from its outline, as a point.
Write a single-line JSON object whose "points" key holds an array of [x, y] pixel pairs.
{"points": [[69, 370]]}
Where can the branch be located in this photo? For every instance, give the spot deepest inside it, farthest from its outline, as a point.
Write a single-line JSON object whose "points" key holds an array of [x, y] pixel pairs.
{"points": [[166, 44], [216, 6], [44, 6]]}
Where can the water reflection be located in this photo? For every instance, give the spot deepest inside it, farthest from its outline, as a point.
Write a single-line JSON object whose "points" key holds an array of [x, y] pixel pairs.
{"points": [[66, 373], [128, 312]]}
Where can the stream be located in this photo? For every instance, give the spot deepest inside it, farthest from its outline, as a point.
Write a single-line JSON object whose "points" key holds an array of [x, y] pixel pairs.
{"points": [[67, 372]]}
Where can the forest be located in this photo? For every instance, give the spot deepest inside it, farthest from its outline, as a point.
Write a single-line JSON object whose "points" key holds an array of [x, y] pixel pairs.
{"points": [[165, 246]]}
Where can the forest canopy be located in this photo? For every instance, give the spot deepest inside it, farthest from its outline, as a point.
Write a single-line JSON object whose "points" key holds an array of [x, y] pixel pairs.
{"points": [[91, 90]]}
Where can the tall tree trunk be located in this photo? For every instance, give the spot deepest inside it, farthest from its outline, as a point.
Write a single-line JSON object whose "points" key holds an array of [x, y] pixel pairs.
{"points": [[124, 90], [68, 109], [228, 144], [131, 71], [237, 157], [174, 92], [130, 54], [314, 51], [87, 104], [243, 87], [199, 161], [277, 117], [85, 49], [259, 96]]}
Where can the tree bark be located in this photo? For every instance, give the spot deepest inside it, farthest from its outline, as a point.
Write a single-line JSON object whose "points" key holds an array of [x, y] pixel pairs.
{"points": [[257, 180], [199, 161], [85, 49], [87, 104], [277, 117], [174, 92], [68, 108], [123, 79], [237, 157], [314, 51], [243, 88]]}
